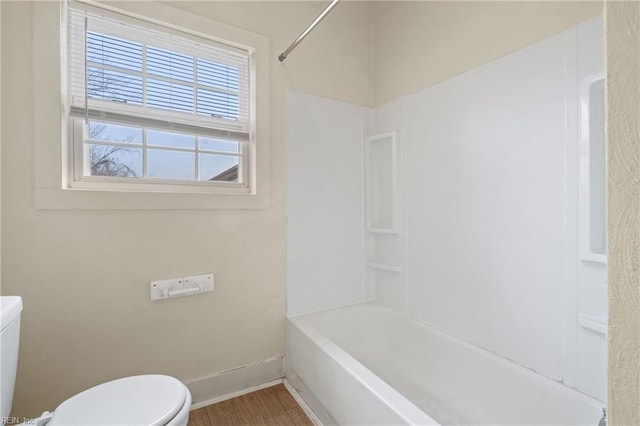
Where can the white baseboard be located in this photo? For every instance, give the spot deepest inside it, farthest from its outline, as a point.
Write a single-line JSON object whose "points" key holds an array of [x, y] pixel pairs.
{"points": [[236, 382]]}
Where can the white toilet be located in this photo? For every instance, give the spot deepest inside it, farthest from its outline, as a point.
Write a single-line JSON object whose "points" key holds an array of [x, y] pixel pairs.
{"points": [[138, 400]]}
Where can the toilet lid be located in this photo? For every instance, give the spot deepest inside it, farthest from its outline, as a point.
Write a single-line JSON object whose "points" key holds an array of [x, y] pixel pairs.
{"points": [[138, 400]]}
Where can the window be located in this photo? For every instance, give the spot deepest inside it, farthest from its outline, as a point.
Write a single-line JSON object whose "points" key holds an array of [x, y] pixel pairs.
{"points": [[153, 108]]}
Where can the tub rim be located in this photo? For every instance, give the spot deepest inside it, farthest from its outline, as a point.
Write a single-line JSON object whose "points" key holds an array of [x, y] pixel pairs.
{"points": [[392, 398]]}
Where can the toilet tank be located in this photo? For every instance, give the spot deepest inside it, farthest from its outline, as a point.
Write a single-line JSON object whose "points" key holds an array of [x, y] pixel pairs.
{"points": [[10, 309]]}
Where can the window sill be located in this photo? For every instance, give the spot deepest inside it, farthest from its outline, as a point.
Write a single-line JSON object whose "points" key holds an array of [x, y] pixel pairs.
{"points": [[90, 199]]}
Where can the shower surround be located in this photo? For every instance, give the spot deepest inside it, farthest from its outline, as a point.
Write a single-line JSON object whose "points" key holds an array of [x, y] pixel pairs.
{"points": [[482, 274]]}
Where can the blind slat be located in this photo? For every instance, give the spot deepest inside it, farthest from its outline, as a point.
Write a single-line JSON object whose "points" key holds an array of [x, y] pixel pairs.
{"points": [[121, 69]]}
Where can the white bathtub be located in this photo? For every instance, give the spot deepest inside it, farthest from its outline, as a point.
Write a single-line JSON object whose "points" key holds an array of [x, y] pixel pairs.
{"points": [[368, 365]]}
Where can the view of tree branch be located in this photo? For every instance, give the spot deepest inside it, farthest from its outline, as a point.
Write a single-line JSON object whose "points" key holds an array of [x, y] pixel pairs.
{"points": [[103, 161]]}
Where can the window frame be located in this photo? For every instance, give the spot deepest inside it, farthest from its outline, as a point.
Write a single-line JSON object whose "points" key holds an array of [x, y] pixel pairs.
{"points": [[78, 126], [52, 133]]}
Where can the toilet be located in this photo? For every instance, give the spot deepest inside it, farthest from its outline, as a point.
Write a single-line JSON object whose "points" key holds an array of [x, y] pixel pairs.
{"points": [[138, 400]]}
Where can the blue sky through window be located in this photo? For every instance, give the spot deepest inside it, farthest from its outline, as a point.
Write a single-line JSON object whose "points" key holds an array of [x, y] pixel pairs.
{"points": [[162, 163]]}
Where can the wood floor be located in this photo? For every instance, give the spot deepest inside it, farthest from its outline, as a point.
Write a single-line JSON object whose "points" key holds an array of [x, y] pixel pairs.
{"points": [[272, 406]]}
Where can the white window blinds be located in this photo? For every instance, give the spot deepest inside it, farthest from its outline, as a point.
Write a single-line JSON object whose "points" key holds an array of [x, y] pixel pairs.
{"points": [[134, 72]]}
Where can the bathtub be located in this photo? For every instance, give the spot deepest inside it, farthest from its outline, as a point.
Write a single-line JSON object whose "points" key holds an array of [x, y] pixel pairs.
{"points": [[367, 365]]}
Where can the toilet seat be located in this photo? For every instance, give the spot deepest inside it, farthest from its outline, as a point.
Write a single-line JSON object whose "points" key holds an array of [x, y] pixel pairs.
{"points": [[138, 400]]}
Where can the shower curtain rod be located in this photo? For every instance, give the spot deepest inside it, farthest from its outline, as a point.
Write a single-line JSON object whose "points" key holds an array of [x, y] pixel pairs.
{"points": [[306, 32]]}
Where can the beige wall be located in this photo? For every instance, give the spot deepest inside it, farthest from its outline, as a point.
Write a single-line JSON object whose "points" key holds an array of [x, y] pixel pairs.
{"points": [[417, 44], [84, 274], [334, 61], [622, 22]]}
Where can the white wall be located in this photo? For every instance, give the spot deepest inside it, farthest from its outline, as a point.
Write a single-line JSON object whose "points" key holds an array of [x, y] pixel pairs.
{"points": [[324, 207], [486, 205], [489, 248], [84, 275]]}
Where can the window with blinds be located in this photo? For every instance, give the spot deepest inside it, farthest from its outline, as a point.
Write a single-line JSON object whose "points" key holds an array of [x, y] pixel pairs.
{"points": [[150, 103]]}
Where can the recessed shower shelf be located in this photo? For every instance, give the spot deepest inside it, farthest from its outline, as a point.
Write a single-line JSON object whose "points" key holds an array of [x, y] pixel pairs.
{"points": [[382, 266]]}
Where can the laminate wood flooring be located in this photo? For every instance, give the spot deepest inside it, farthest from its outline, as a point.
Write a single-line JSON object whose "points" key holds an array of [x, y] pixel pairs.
{"points": [[273, 406]]}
